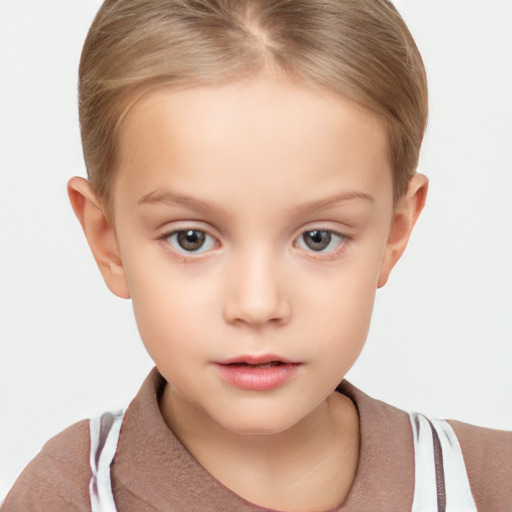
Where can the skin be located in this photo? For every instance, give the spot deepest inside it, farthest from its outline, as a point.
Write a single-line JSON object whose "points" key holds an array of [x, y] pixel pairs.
{"points": [[254, 165]]}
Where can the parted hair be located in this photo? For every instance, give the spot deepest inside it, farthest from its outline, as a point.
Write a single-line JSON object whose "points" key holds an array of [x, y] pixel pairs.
{"points": [[359, 49]]}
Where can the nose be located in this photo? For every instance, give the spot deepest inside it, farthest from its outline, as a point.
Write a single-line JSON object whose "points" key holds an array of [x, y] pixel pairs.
{"points": [[256, 292]]}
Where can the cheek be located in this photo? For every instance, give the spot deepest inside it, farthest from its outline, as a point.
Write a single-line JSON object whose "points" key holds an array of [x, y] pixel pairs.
{"points": [[338, 308], [176, 307], [344, 294], [346, 320]]}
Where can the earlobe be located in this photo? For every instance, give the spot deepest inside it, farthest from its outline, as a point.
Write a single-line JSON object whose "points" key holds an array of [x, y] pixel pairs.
{"points": [[405, 215], [100, 235]]}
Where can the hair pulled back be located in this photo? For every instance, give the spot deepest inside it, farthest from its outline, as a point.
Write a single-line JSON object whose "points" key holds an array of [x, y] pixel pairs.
{"points": [[360, 49]]}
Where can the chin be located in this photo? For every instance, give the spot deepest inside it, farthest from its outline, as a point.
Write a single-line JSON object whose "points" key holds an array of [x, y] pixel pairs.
{"points": [[258, 425]]}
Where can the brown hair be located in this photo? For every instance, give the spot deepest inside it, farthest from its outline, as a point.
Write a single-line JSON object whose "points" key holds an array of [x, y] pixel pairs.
{"points": [[360, 49]]}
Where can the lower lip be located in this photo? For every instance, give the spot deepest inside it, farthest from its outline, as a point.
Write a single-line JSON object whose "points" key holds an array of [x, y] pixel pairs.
{"points": [[257, 378]]}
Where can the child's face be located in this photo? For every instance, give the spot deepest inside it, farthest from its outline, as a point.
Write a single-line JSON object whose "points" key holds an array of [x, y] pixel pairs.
{"points": [[252, 221]]}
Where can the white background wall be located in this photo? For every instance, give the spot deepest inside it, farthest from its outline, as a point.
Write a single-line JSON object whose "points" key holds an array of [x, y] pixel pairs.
{"points": [[441, 339]]}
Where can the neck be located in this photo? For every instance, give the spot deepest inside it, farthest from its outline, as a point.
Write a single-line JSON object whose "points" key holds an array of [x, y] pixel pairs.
{"points": [[309, 466]]}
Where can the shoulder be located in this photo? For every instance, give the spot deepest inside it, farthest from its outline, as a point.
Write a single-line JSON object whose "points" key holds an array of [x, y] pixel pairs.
{"points": [[58, 477], [386, 432], [488, 457]]}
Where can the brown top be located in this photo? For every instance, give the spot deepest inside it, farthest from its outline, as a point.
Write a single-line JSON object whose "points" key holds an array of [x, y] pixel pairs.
{"points": [[153, 471]]}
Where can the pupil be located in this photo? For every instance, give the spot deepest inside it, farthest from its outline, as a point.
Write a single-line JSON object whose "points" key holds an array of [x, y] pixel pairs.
{"points": [[191, 240], [317, 239]]}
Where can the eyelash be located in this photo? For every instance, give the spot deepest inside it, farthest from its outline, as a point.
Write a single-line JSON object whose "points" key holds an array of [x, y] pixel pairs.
{"points": [[340, 247], [323, 253], [167, 238]]}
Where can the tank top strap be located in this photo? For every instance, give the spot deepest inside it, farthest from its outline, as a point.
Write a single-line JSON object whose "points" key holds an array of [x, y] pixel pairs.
{"points": [[441, 480], [104, 432]]}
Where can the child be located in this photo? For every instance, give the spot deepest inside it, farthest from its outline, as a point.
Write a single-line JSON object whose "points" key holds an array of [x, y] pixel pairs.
{"points": [[251, 184]]}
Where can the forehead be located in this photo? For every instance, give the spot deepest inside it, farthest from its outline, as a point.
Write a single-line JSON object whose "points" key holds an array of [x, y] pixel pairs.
{"points": [[263, 133]]}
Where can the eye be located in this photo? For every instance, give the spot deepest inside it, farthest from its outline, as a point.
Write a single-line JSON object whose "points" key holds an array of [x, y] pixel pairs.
{"points": [[320, 240], [189, 241]]}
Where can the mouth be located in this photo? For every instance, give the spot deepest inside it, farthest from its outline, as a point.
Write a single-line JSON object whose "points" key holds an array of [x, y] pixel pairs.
{"points": [[263, 360], [257, 373], [270, 364]]}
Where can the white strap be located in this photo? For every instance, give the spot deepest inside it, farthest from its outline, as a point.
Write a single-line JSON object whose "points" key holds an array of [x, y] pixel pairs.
{"points": [[458, 491], [104, 431], [441, 481], [425, 487]]}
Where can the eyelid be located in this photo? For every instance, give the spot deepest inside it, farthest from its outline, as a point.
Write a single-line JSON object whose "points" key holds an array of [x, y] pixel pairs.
{"points": [[323, 254], [164, 238], [182, 226]]}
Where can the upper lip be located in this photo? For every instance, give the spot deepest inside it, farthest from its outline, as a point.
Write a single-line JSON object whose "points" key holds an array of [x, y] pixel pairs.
{"points": [[257, 359]]}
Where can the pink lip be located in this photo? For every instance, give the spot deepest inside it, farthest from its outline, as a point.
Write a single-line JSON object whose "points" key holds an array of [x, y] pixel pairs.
{"points": [[257, 373]]}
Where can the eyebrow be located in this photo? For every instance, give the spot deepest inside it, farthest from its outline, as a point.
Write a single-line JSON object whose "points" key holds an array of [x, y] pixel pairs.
{"points": [[331, 201], [172, 199]]}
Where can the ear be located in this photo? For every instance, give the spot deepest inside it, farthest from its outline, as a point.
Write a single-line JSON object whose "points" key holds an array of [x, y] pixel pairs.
{"points": [[100, 235], [405, 215]]}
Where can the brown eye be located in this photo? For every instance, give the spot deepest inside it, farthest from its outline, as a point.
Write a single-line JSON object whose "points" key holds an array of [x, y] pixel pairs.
{"points": [[317, 240], [191, 241], [320, 240]]}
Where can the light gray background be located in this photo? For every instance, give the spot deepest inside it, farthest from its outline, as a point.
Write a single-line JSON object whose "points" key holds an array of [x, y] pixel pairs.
{"points": [[441, 337]]}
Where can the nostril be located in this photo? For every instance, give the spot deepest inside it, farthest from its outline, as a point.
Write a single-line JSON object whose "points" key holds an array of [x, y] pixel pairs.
{"points": [[275, 313], [255, 294]]}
